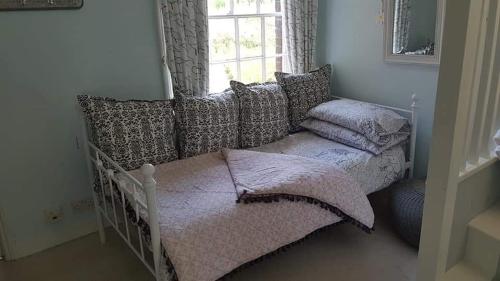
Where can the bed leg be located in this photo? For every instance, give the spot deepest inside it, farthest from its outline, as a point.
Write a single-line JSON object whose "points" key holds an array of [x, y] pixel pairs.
{"points": [[100, 225]]}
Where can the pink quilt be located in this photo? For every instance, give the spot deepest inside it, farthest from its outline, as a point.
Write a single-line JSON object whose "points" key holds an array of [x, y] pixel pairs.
{"points": [[207, 234]]}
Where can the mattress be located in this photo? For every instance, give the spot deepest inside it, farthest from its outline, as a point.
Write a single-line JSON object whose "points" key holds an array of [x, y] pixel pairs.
{"points": [[373, 172]]}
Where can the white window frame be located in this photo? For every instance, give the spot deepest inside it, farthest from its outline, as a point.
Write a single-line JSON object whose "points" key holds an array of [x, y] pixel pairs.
{"points": [[263, 57]]}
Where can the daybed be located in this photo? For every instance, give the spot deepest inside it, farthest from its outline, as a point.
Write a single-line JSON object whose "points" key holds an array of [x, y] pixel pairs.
{"points": [[187, 219]]}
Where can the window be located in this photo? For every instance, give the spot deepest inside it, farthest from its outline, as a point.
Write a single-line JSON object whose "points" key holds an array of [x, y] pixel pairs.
{"points": [[245, 41]]}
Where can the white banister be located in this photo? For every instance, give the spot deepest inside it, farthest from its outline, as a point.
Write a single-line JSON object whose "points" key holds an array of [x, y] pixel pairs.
{"points": [[495, 124], [483, 149], [149, 185], [468, 70], [494, 87], [470, 140], [413, 137], [479, 104]]}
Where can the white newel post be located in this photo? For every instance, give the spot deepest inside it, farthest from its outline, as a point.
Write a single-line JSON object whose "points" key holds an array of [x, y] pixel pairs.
{"points": [[149, 185]]}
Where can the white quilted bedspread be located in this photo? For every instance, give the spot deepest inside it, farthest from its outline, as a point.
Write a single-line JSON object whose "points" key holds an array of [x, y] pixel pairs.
{"points": [[207, 234]]}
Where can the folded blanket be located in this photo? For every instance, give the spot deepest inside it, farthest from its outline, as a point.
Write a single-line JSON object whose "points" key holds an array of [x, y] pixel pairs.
{"points": [[349, 137], [269, 177]]}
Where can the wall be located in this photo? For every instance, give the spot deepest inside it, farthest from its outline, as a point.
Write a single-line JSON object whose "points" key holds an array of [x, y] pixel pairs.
{"points": [[108, 48], [351, 38]]}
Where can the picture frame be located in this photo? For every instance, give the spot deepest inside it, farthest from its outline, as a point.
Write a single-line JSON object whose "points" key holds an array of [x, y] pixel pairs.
{"points": [[21, 5]]}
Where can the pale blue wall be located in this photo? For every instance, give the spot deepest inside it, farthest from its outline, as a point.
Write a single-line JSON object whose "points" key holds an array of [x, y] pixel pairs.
{"points": [[108, 48], [351, 38]]}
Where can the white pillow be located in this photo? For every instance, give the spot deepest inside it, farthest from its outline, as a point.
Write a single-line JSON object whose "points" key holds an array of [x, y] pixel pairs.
{"points": [[377, 124], [348, 137]]}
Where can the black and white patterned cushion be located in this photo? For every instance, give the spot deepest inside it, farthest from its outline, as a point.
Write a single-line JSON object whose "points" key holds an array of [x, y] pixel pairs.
{"points": [[132, 132], [207, 124], [304, 92], [263, 113]]}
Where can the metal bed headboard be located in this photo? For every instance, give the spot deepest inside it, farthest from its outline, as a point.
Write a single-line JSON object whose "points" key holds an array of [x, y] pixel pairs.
{"points": [[412, 116]]}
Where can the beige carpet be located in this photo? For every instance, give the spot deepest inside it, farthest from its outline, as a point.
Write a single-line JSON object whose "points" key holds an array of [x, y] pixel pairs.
{"points": [[344, 253]]}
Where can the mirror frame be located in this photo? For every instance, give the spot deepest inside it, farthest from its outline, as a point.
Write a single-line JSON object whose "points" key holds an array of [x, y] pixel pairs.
{"points": [[411, 59]]}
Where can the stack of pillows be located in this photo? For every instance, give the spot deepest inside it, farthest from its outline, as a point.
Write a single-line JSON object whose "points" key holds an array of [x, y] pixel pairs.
{"points": [[358, 124], [136, 132]]}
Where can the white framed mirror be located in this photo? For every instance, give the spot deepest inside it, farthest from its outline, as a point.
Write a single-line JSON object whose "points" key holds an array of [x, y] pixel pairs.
{"points": [[412, 31]]}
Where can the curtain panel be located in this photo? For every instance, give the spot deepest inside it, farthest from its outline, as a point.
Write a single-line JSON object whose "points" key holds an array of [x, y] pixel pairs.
{"points": [[300, 25], [402, 14], [185, 25]]}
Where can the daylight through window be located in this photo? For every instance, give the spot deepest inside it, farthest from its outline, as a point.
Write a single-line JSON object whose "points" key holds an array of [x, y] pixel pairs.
{"points": [[246, 41]]}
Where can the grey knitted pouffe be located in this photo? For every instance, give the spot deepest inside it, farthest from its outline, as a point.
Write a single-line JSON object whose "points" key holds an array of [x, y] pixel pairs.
{"points": [[407, 204]]}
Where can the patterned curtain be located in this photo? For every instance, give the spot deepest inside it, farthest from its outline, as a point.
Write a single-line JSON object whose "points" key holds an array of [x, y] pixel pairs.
{"points": [[300, 24], [402, 13], [186, 36]]}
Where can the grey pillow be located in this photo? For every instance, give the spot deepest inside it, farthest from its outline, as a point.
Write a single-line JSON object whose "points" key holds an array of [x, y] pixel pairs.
{"points": [[304, 92], [132, 132], [207, 124], [378, 124], [263, 113], [349, 137]]}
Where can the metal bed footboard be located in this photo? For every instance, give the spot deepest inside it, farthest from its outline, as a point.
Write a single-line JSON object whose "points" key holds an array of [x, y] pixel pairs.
{"points": [[114, 189]]}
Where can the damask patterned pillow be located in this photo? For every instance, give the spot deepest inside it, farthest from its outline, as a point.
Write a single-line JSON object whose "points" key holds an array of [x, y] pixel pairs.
{"points": [[207, 124], [304, 92], [132, 132], [348, 137], [263, 113]]}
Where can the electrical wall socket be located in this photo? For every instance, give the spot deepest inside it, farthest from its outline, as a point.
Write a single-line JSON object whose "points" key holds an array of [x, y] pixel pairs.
{"points": [[84, 205], [53, 215]]}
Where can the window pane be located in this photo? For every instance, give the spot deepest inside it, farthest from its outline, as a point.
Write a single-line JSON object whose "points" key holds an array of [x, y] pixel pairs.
{"points": [[274, 40], [250, 37], [219, 7], [273, 65], [220, 75], [251, 71], [270, 6], [222, 42], [245, 6]]}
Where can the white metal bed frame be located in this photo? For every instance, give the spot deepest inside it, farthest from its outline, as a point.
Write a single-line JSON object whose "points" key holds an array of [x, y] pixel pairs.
{"points": [[107, 210]]}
